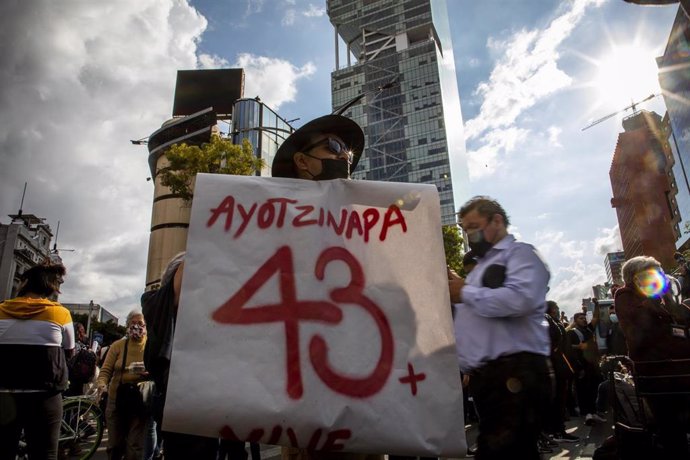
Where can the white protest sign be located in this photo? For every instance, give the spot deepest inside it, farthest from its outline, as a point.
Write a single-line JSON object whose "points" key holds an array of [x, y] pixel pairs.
{"points": [[316, 314]]}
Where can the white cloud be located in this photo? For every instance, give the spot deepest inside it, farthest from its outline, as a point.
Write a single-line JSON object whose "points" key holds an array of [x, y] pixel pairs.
{"points": [[474, 62], [253, 6], [515, 231], [574, 284], [88, 78], [273, 79], [314, 11], [485, 159], [525, 74], [608, 241], [290, 14], [212, 61], [554, 133], [288, 18], [573, 277], [552, 245]]}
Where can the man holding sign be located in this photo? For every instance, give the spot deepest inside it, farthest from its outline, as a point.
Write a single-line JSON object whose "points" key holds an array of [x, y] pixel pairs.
{"points": [[325, 148], [502, 338], [313, 313]]}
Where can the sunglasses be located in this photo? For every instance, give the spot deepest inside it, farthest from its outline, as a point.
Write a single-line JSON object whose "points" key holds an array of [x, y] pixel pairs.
{"points": [[333, 145]]}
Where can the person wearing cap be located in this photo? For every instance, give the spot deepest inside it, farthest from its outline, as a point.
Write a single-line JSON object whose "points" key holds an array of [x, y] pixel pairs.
{"points": [[326, 148]]}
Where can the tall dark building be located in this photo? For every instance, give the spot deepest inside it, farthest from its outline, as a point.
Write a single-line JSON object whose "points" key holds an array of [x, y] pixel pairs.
{"points": [[674, 79], [613, 262], [414, 129], [642, 190]]}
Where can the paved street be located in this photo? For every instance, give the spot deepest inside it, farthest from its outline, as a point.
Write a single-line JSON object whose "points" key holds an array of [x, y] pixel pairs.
{"points": [[590, 438]]}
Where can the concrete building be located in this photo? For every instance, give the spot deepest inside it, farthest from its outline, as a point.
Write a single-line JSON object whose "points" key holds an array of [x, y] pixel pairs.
{"points": [[613, 262], [24, 242], [601, 291], [250, 119], [674, 79], [642, 191], [97, 311], [414, 129]]}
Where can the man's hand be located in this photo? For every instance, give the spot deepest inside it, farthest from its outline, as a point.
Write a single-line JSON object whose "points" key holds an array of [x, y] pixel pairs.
{"points": [[455, 285]]}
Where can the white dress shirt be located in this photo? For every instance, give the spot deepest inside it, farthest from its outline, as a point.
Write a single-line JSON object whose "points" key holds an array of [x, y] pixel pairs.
{"points": [[490, 323]]}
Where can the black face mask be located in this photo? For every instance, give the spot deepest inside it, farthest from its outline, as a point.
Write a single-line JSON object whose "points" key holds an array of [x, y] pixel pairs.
{"points": [[478, 243], [332, 169]]}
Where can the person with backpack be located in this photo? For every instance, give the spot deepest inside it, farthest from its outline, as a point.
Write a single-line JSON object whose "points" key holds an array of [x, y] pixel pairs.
{"points": [[160, 310], [82, 365]]}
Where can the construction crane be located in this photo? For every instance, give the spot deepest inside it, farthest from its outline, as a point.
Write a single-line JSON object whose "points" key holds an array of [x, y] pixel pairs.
{"points": [[632, 106]]}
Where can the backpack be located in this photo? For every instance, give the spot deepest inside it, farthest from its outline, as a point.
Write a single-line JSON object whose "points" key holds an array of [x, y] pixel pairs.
{"points": [[82, 366]]}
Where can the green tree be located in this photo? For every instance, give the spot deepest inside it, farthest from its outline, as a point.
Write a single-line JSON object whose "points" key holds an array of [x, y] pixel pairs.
{"points": [[220, 156], [453, 246], [110, 330]]}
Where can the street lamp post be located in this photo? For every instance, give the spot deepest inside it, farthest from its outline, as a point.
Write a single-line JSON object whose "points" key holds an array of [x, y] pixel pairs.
{"points": [[88, 321]]}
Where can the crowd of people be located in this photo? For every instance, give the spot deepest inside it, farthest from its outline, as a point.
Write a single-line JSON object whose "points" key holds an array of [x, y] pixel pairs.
{"points": [[524, 365]]}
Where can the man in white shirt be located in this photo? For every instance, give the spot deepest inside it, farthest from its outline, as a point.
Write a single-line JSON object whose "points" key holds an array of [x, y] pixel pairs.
{"points": [[502, 337]]}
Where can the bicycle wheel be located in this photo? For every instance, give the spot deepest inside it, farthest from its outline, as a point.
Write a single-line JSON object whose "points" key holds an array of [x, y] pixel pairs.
{"points": [[82, 429]]}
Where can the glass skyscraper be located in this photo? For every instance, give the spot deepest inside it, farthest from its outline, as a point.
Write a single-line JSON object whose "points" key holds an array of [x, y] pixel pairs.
{"points": [[674, 78], [262, 127], [414, 129]]}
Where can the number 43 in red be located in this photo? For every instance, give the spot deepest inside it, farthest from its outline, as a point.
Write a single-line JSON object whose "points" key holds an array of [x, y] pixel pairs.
{"points": [[290, 311]]}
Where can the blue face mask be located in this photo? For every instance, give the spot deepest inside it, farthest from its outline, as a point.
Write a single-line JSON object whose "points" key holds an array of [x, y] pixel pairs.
{"points": [[613, 317]]}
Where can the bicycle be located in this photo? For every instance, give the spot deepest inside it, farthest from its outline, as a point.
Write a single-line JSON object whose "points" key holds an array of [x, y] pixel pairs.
{"points": [[81, 430]]}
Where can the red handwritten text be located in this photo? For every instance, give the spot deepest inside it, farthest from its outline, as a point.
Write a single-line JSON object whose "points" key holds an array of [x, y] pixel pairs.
{"points": [[291, 311], [330, 444], [273, 213]]}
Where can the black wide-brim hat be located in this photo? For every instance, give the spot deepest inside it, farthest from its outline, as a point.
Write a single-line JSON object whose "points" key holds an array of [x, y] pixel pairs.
{"points": [[343, 127]]}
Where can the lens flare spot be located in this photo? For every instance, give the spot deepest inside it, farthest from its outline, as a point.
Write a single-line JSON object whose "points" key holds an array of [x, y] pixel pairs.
{"points": [[651, 282], [514, 385]]}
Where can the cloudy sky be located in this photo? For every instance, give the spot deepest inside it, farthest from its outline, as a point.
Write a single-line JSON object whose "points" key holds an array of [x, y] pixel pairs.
{"points": [[79, 79]]}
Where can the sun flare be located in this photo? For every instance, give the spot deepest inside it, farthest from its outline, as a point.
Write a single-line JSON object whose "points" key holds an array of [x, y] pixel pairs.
{"points": [[626, 74]]}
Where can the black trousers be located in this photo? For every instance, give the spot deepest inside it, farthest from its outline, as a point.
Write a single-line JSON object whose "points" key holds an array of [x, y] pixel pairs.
{"points": [[555, 418], [178, 446], [512, 394], [672, 417], [586, 385], [39, 414]]}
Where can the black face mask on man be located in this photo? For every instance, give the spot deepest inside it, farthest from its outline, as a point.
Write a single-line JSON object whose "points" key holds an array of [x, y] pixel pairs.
{"points": [[478, 243], [332, 169]]}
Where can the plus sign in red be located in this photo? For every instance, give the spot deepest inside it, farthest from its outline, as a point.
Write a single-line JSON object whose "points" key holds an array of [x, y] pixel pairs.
{"points": [[412, 378]]}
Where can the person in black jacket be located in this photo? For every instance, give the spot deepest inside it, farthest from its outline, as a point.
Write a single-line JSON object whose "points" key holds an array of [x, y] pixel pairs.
{"points": [[586, 363], [160, 311], [563, 371]]}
